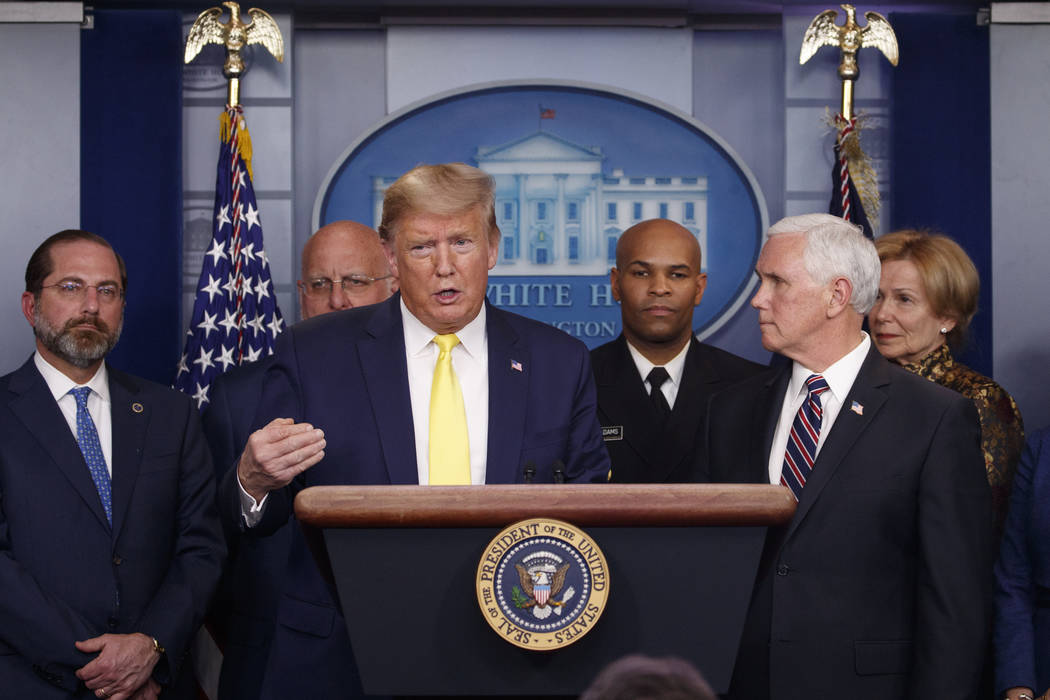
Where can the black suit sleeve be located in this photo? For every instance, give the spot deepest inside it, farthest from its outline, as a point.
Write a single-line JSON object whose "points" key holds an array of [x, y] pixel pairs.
{"points": [[280, 399], [38, 626], [954, 572], [219, 428], [177, 608], [588, 460]]}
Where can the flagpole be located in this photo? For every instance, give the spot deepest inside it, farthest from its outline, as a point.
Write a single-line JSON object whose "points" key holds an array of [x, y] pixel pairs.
{"points": [[233, 92], [854, 185], [235, 315]]}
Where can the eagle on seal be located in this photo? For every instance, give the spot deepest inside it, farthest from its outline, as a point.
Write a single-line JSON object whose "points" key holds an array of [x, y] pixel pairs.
{"points": [[542, 585]]}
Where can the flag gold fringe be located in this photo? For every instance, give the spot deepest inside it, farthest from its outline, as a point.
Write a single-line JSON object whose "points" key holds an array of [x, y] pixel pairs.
{"points": [[244, 139], [861, 171]]}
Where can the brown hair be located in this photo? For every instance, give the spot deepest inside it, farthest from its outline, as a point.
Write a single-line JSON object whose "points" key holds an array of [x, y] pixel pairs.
{"points": [[948, 275], [637, 676], [446, 189], [40, 264]]}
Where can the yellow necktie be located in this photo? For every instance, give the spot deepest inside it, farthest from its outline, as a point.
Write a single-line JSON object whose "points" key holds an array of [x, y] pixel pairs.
{"points": [[449, 445]]}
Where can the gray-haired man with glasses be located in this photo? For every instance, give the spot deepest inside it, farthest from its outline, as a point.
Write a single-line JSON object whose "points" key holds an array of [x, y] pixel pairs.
{"points": [[343, 266], [350, 253]]}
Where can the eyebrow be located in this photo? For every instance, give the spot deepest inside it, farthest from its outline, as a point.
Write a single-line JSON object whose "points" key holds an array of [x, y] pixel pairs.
{"points": [[646, 263], [81, 280], [324, 275]]}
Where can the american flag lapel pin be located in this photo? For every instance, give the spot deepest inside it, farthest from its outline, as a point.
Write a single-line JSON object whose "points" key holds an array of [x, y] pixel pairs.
{"points": [[515, 365], [857, 408]]}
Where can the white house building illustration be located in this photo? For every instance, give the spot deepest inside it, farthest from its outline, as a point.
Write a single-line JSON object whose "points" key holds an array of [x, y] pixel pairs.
{"points": [[561, 215]]}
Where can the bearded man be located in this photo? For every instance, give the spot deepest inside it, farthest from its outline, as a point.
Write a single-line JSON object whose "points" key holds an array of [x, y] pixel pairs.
{"points": [[110, 546]]}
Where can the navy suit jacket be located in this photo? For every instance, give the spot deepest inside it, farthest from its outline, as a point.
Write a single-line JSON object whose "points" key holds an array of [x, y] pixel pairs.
{"points": [[244, 610], [345, 373], [1022, 576], [879, 587], [644, 449], [65, 573]]}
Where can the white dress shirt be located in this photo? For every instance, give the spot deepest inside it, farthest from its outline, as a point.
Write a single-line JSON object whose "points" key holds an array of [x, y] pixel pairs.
{"points": [[674, 367], [840, 377], [98, 403], [470, 361]]}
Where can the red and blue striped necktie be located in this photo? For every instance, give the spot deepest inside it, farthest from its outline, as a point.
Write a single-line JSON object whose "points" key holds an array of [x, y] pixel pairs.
{"points": [[805, 434]]}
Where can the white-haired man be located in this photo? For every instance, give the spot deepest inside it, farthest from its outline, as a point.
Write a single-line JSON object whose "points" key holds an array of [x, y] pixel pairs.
{"points": [[878, 588]]}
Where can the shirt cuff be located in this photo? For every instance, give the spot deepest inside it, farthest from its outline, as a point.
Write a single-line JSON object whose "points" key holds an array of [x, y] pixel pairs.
{"points": [[251, 510]]}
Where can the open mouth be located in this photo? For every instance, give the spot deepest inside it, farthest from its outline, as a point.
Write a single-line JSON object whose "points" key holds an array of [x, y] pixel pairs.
{"points": [[447, 296]]}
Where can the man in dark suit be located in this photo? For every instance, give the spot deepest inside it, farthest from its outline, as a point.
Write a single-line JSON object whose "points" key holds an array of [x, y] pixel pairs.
{"points": [[878, 588], [655, 434], [434, 386], [343, 266], [111, 543]]}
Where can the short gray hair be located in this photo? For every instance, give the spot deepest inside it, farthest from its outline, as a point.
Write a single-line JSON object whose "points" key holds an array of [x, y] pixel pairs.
{"points": [[837, 248]]}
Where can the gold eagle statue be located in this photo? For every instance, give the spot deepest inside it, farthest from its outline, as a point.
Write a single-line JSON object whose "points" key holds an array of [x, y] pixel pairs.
{"points": [[850, 37], [234, 35]]}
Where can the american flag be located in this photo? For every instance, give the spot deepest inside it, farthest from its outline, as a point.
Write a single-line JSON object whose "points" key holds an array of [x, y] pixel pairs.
{"points": [[845, 201], [235, 315]]}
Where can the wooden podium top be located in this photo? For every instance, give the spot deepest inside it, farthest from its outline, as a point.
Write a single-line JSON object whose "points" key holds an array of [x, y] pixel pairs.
{"points": [[601, 505]]}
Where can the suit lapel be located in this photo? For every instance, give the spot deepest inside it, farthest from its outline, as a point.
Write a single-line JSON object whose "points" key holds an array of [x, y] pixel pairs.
{"points": [[623, 399], [510, 371], [36, 408], [383, 366], [130, 417], [765, 416], [689, 406], [867, 390]]}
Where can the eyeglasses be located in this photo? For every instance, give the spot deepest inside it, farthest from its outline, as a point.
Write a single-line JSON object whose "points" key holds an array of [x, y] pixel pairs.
{"points": [[73, 289], [352, 284]]}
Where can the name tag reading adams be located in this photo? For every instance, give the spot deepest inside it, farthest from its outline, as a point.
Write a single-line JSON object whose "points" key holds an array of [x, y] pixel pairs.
{"points": [[612, 432], [542, 584]]}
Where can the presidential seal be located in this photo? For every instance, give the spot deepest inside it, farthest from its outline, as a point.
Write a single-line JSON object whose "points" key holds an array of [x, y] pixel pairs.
{"points": [[542, 584]]}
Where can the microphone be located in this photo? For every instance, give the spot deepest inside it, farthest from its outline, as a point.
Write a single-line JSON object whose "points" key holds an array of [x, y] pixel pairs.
{"points": [[559, 471], [530, 471]]}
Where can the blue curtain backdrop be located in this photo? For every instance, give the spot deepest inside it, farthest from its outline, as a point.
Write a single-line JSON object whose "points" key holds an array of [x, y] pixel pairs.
{"points": [[942, 147], [131, 173]]}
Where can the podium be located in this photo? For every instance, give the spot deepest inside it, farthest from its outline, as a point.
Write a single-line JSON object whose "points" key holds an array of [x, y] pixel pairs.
{"points": [[681, 563]]}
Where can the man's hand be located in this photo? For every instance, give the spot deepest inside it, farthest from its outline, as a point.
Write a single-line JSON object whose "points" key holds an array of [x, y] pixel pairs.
{"points": [[149, 691], [276, 454], [123, 665]]}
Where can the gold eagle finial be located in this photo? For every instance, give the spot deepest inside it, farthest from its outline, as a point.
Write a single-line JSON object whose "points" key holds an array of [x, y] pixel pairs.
{"points": [[850, 38], [234, 35]]}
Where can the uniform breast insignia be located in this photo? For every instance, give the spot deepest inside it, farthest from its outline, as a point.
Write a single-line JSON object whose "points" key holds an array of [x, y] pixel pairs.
{"points": [[542, 584]]}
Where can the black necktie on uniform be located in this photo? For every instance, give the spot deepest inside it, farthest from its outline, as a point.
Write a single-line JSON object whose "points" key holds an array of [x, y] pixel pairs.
{"points": [[656, 379]]}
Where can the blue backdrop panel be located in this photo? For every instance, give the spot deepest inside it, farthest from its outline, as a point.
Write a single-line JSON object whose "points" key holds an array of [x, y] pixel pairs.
{"points": [[641, 154], [942, 147], [131, 173]]}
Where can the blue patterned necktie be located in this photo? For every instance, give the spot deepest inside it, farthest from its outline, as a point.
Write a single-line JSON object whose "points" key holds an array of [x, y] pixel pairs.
{"points": [[805, 434], [87, 438]]}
